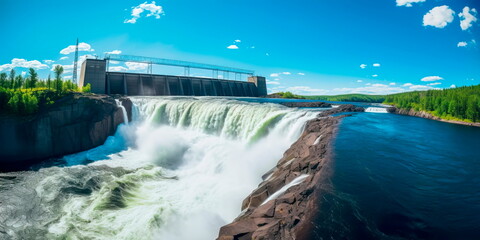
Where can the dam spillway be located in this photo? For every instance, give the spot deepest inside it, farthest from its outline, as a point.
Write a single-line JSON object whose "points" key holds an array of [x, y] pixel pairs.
{"points": [[95, 72]]}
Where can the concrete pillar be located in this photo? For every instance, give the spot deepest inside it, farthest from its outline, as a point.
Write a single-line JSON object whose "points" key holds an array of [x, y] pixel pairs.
{"points": [[261, 85]]}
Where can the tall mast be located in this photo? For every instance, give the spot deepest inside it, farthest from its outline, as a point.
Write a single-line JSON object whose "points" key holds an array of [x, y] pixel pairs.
{"points": [[74, 77]]}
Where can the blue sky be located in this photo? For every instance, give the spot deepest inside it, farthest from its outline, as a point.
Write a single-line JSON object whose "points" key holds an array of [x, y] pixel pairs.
{"points": [[307, 47]]}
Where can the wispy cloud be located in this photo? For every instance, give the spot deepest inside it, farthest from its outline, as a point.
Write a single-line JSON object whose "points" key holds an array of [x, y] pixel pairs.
{"points": [[136, 66], [307, 90], [150, 8], [431, 79], [114, 52], [363, 66]]}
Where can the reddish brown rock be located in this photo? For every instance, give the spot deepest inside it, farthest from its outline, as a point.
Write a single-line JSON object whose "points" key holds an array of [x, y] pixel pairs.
{"points": [[289, 215]]}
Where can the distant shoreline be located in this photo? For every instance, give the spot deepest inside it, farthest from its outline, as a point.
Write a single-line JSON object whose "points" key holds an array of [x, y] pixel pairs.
{"points": [[423, 114]]}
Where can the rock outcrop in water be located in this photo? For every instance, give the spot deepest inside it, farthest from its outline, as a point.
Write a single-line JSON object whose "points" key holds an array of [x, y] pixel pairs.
{"points": [[72, 124], [285, 202]]}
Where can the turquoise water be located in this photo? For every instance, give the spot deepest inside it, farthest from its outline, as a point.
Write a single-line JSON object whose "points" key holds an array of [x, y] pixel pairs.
{"points": [[400, 177]]}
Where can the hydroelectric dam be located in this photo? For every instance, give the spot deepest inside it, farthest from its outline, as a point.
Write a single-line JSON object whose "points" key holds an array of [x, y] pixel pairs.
{"points": [[96, 72]]}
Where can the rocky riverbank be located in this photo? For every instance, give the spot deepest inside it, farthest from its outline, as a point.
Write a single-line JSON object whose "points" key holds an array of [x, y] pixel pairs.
{"points": [[74, 123], [284, 204], [423, 114]]}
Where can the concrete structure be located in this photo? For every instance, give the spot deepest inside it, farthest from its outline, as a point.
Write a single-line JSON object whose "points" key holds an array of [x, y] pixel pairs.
{"points": [[94, 72]]}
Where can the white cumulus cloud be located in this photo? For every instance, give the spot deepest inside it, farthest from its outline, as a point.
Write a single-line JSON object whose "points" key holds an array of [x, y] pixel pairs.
{"points": [[82, 47], [22, 63], [375, 75], [376, 64], [274, 75], [453, 86], [363, 66], [301, 74], [467, 17], [408, 3], [233, 46], [48, 61], [439, 17], [238, 41], [407, 85], [150, 8], [431, 79], [392, 84], [462, 44]]}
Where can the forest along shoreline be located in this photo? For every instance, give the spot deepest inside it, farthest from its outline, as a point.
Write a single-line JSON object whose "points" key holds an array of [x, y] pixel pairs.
{"points": [[76, 122], [284, 204], [423, 114]]}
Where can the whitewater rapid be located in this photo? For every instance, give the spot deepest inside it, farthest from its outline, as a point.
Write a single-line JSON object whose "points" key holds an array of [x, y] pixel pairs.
{"points": [[179, 170]]}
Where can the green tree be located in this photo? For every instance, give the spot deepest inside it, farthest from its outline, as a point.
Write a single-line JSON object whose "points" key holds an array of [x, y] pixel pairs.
{"points": [[12, 78], [33, 79], [58, 77], [49, 81], [18, 82], [3, 79]]}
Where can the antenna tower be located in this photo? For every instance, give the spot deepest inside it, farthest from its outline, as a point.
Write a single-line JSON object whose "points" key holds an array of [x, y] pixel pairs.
{"points": [[74, 77]]}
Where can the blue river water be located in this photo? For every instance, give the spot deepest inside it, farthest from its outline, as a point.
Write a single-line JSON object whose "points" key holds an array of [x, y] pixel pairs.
{"points": [[393, 177], [401, 177]]}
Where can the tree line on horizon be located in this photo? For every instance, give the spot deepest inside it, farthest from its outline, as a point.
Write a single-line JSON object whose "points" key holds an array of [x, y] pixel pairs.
{"points": [[25, 95], [462, 103]]}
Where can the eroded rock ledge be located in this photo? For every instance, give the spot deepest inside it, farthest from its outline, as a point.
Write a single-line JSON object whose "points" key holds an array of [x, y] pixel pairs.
{"points": [[75, 123], [269, 212]]}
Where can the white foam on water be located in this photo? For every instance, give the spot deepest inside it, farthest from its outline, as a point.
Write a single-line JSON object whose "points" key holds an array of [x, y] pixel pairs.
{"points": [[294, 182], [180, 170], [376, 110]]}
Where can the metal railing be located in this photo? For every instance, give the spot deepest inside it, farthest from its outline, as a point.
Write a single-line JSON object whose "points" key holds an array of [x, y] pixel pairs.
{"points": [[177, 63]]}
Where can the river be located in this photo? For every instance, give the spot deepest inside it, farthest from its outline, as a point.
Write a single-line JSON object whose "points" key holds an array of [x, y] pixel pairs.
{"points": [[181, 169]]}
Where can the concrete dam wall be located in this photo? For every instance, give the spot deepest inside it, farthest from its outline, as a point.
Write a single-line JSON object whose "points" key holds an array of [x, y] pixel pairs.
{"points": [[94, 72]]}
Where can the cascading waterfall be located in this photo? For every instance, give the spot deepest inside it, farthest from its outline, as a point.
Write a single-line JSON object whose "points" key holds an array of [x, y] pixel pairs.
{"points": [[180, 170], [124, 112]]}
